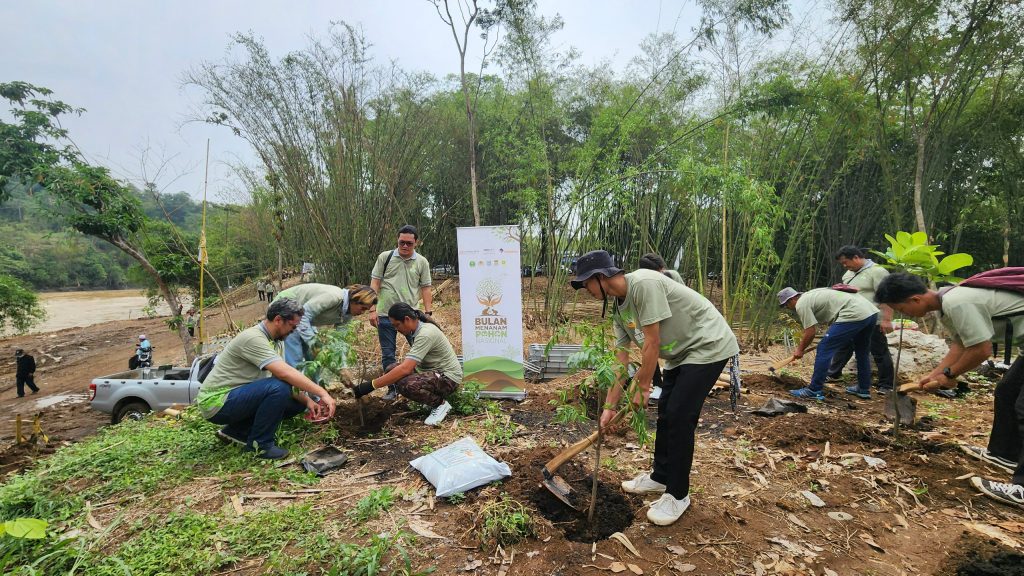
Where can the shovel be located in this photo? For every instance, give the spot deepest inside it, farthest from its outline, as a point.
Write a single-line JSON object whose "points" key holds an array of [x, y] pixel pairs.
{"points": [[556, 484], [781, 363]]}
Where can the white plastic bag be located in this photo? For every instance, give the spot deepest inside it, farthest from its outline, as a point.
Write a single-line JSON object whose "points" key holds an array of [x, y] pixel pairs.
{"points": [[459, 466]]}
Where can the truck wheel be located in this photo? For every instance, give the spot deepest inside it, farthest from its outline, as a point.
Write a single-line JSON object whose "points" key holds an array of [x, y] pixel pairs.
{"points": [[131, 411]]}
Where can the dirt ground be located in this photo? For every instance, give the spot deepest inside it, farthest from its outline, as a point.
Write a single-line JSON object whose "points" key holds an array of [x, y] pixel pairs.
{"points": [[830, 491]]}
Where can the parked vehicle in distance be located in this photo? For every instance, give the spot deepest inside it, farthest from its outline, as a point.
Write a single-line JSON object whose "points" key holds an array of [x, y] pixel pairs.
{"points": [[537, 270], [443, 270], [133, 393]]}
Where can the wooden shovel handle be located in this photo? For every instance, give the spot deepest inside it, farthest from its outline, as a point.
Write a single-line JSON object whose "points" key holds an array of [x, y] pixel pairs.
{"points": [[915, 387], [791, 359], [564, 456]]}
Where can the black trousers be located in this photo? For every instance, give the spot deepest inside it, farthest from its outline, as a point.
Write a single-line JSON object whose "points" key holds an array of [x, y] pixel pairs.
{"points": [[682, 397], [1007, 438], [879, 353], [21, 381]]}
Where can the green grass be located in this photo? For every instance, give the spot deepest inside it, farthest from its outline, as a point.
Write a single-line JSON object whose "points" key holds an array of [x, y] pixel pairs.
{"points": [[504, 521], [150, 456], [371, 505]]}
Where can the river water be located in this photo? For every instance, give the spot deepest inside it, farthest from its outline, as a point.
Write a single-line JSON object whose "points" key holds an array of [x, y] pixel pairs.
{"points": [[68, 309]]}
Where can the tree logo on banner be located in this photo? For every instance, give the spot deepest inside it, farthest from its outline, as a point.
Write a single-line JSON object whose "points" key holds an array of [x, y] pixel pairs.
{"points": [[488, 293], [490, 325]]}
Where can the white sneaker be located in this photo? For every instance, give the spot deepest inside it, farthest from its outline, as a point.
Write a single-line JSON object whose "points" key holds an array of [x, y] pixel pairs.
{"points": [[643, 484], [437, 414], [667, 509]]}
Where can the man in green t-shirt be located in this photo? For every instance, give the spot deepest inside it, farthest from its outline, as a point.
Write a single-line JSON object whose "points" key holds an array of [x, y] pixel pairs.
{"points": [[399, 275], [864, 275], [322, 305], [250, 389], [666, 320], [852, 319], [975, 317]]}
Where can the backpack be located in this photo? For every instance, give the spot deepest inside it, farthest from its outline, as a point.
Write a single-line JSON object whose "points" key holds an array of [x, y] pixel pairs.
{"points": [[1010, 278], [205, 367]]}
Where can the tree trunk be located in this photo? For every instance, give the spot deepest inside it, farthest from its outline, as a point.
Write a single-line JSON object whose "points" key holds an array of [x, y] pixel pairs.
{"points": [[169, 295], [922, 140]]}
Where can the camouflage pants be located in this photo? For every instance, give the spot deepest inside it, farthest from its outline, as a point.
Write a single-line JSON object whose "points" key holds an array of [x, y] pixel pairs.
{"points": [[428, 388]]}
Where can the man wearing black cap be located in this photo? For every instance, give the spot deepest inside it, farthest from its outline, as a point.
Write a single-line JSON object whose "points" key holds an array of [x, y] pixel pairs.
{"points": [[667, 320], [25, 373]]}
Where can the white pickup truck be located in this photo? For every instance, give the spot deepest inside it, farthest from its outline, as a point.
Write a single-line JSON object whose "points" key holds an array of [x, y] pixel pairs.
{"points": [[133, 393]]}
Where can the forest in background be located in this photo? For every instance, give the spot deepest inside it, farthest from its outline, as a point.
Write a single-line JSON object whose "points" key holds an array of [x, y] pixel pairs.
{"points": [[745, 151]]}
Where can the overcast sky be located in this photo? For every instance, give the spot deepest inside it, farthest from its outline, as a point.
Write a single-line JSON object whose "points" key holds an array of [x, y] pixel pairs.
{"points": [[122, 60]]}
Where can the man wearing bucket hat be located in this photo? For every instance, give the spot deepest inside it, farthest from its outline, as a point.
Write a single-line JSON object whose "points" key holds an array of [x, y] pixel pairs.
{"points": [[668, 320], [852, 319], [323, 305]]}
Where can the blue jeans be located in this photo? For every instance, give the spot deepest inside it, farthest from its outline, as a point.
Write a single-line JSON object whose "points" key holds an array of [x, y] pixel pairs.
{"points": [[386, 333], [254, 411], [294, 349], [835, 338]]}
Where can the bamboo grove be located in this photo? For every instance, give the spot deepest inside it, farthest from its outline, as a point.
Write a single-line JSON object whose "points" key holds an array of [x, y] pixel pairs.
{"points": [[745, 152]]}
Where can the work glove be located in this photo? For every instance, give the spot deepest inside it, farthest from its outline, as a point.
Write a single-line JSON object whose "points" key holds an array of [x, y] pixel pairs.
{"points": [[363, 389]]}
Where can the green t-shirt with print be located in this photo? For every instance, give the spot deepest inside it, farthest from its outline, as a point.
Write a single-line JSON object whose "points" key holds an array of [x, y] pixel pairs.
{"points": [[434, 353], [243, 360], [968, 314], [825, 306], [691, 329], [402, 280], [866, 281]]}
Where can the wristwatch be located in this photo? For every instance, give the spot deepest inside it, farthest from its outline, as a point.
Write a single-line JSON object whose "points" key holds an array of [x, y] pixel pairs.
{"points": [[948, 373]]}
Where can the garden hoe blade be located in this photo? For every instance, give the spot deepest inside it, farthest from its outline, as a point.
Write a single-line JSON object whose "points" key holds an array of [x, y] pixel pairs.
{"points": [[549, 472]]}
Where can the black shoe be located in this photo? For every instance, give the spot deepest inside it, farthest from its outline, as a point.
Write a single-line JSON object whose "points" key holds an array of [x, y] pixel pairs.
{"points": [[834, 379], [1012, 494], [986, 456], [272, 452]]}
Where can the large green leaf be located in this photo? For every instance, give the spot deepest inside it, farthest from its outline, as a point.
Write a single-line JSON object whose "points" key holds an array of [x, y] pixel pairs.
{"points": [[26, 528], [955, 262], [919, 238], [904, 239]]}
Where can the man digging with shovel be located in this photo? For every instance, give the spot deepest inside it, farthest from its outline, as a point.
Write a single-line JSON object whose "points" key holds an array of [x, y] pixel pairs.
{"points": [[974, 317], [667, 320], [853, 320]]}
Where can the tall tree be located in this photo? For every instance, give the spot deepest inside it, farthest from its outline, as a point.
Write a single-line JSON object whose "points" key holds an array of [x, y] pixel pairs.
{"points": [[470, 14]]}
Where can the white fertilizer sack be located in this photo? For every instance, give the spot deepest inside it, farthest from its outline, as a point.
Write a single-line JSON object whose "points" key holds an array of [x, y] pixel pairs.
{"points": [[459, 466]]}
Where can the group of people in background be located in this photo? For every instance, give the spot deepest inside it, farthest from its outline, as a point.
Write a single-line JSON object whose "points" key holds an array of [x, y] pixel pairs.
{"points": [[859, 312], [265, 290], [256, 382]]}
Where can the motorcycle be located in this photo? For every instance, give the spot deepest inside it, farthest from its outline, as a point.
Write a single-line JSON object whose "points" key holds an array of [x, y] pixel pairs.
{"points": [[143, 358]]}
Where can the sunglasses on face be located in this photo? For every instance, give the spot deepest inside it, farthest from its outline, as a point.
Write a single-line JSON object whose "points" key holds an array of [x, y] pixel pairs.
{"points": [[406, 242]]}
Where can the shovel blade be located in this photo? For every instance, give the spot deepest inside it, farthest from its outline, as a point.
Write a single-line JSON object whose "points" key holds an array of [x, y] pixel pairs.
{"points": [[559, 487], [903, 410]]}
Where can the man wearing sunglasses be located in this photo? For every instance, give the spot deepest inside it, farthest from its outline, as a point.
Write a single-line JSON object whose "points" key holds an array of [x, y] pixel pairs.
{"points": [[400, 275]]}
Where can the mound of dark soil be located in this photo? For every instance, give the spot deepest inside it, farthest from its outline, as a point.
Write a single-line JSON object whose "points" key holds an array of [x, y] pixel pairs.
{"points": [[769, 382], [614, 512], [978, 557]]}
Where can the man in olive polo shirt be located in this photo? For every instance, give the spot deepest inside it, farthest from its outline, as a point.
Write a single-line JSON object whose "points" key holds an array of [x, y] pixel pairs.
{"points": [[670, 321], [852, 319], [399, 275], [864, 275], [975, 317], [250, 403]]}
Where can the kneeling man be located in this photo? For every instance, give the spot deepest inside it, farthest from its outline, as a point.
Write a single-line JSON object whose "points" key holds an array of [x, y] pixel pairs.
{"points": [[251, 389]]}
